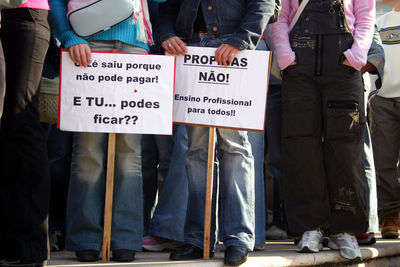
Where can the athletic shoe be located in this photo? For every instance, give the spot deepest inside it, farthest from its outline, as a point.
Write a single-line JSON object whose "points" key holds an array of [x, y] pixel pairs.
{"points": [[275, 233], [390, 226], [57, 241], [157, 244], [310, 242], [259, 247], [365, 238], [347, 245]]}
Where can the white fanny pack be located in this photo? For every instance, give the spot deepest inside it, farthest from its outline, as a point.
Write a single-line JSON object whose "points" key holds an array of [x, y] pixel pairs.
{"points": [[88, 17]]}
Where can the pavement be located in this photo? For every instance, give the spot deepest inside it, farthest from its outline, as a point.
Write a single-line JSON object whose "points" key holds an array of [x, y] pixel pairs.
{"points": [[385, 252]]}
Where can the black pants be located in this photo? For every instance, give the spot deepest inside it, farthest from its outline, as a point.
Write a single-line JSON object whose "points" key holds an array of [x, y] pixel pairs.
{"points": [[323, 179], [24, 179]]}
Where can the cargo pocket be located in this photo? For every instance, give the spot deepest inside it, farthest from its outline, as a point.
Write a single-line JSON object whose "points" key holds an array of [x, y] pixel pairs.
{"points": [[298, 119], [343, 120]]}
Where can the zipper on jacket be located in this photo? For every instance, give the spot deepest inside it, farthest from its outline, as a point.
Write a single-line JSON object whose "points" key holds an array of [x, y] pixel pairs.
{"points": [[340, 16], [318, 55]]}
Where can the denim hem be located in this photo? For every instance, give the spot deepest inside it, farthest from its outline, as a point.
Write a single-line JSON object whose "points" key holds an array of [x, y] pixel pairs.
{"points": [[127, 246], [260, 242], [195, 243], [166, 235], [236, 242]]}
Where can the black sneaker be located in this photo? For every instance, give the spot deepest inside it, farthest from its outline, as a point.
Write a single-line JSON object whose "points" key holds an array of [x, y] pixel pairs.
{"points": [[87, 255], [188, 252], [365, 238], [57, 241], [123, 255], [235, 255]]}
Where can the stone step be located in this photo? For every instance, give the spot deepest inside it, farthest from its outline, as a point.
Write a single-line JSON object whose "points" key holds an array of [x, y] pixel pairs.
{"points": [[279, 253]]}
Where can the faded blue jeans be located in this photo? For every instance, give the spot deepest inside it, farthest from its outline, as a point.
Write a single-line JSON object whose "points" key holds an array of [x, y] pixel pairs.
{"points": [[169, 217], [236, 187], [85, 204], [256, 140], [235, 184]]}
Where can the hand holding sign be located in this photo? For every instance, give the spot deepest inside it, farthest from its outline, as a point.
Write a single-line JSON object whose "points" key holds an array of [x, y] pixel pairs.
{"points": [[225, 54], [80, 54], [174, 46]]}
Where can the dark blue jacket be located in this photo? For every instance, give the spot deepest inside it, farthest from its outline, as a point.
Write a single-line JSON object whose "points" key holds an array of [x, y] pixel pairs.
{"points": [[376, 56], [243, 21]]}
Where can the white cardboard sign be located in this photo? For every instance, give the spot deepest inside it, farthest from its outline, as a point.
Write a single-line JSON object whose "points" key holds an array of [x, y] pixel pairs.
{"points": [[117, 93], [231, 96]]}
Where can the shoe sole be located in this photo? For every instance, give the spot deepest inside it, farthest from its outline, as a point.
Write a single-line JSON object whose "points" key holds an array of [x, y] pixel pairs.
{"points": [[236, 263], [356, 259], [390, 235], [123, 259], [307, 250], [177, 258], [363, 242]]}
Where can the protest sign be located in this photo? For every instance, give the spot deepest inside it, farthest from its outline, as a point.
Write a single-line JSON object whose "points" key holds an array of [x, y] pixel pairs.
{"points": [[231, 96], [118, 92]]}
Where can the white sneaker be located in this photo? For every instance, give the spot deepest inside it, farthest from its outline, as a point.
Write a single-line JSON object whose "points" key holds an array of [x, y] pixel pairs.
{"points": [[347, 244], [310, 242]]}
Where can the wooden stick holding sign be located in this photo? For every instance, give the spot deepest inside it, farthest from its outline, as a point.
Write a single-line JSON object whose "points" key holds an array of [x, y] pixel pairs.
{"points": [[108, 198], [209, 192], [109, 195]]}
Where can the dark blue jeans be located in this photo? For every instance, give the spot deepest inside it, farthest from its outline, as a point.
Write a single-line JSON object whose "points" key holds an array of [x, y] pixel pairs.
{"points": [[170, 214], [273, 150], [59, 147], [156, 157]]}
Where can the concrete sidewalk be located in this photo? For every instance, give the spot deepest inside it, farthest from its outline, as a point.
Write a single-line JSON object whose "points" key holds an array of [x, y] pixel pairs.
{"points": [[383, 253]]}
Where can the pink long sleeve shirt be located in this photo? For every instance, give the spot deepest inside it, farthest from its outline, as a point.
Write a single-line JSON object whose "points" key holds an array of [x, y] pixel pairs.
{"points": [[360, 16]]}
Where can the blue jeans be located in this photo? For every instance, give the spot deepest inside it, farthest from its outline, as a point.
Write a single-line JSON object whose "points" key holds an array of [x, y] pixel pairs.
{"points": [[170, 214], [236, 180], [59, 146], [85, 204], [273, 156], [156, 155], [256, 140]]}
